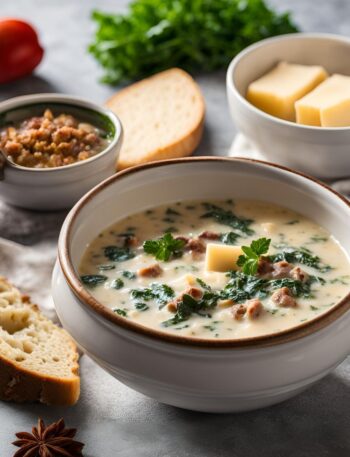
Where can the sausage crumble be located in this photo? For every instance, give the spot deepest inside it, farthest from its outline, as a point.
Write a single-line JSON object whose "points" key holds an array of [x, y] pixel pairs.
{"points": [[50, 141]]}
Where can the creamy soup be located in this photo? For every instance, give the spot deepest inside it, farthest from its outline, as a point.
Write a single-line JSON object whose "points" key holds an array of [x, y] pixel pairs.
{"points": [[151, 268]]}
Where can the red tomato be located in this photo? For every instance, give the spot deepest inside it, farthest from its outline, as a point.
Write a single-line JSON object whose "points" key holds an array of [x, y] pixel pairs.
{"points": [[20, 51]]}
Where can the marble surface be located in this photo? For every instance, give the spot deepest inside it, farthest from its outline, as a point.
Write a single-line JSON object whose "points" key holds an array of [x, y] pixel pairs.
{"points": [[112, 419]]}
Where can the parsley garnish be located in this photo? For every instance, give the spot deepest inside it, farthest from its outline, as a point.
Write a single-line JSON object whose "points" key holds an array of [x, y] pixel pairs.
{"points": [[249, 261], [165, 247]]}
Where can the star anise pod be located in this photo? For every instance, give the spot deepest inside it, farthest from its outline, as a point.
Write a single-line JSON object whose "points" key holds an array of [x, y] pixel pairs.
{"points": [[52, 441]]}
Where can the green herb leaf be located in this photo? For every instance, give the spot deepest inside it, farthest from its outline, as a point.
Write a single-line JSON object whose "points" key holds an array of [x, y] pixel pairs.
{"points": [[185, 308], [93, 280], [164, 247], [298, 288], [195, 35], [129, 274], [172, 212], [188, 305], [227, 217], [229, 237], [117, 284], [118, 254], [141, 306], [170, 229], [249, 261], [121, 312], [161, 293], [242, 287], [303, 256]]}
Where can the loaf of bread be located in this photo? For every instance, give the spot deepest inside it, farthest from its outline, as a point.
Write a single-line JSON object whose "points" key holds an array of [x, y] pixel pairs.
{"points": [[162, 118], [38, 360]]}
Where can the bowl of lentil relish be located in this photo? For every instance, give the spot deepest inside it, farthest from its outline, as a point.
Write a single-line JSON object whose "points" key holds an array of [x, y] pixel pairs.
{"points": [[57, 147]]}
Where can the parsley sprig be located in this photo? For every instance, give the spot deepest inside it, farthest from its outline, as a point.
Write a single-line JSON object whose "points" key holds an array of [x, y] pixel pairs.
{"points": [[249, 261], [165, 247]]}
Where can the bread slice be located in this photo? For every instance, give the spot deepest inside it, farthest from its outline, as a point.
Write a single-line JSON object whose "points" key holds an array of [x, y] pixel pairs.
{"points": [[38, 360], [162, 117]]}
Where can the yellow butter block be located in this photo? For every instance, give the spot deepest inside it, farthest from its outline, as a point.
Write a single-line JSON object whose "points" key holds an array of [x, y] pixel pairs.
{"points": [[328, 105], [222, 257], [277, 91]]}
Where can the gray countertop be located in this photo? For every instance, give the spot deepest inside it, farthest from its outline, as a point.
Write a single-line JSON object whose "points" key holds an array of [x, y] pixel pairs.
{"points": [[112, 419]]}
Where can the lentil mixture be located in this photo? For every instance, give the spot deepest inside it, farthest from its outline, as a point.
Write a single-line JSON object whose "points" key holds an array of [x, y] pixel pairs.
{"points": [[50, 141]]}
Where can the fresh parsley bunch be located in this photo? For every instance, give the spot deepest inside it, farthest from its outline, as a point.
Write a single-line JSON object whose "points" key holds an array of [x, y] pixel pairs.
{"points": [[192, 34]]}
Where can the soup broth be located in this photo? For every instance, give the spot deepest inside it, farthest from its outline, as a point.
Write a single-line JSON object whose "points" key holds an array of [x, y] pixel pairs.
{"points": [[150, 268]]}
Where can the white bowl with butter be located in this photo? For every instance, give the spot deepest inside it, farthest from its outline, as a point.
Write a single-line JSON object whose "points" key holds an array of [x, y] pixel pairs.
{"points": [[212, 375], [321, 151]]}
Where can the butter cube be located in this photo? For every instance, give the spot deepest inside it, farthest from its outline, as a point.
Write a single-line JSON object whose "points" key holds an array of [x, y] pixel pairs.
{"points": [[222, 257], [277, 91], [328, 105]]}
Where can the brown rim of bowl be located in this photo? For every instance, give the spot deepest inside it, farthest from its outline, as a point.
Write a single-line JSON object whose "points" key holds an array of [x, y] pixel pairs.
{"points": [[86, 299]]}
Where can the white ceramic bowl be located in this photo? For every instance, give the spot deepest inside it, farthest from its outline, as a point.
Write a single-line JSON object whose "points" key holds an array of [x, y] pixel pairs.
{"points": [[200, 374], [61, 187], [323, 152]]}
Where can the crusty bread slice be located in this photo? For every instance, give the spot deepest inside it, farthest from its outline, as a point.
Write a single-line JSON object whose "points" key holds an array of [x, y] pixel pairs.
{"points": [[38, 360], [162, 117]]}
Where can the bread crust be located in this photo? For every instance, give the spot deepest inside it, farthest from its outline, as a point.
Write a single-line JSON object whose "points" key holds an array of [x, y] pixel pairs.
{"points": [[21, 384], [181, 147]]}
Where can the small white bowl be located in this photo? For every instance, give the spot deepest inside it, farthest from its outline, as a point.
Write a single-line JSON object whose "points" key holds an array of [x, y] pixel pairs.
{"points": [[323, 152], [201, 374], [61, 187]]}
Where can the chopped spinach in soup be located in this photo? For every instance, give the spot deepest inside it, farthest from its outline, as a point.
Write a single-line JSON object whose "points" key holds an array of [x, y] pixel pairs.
{"points": [[151, 268]]}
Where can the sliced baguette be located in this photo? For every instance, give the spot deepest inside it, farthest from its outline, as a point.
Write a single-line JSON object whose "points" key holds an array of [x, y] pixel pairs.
{"points": [[162, 118], [38, 360]]}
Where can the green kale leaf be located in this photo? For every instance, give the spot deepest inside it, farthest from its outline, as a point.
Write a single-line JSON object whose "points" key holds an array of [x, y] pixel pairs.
{"points": [[303, 256], [227, 217], [118, 254], [93, 280]]}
